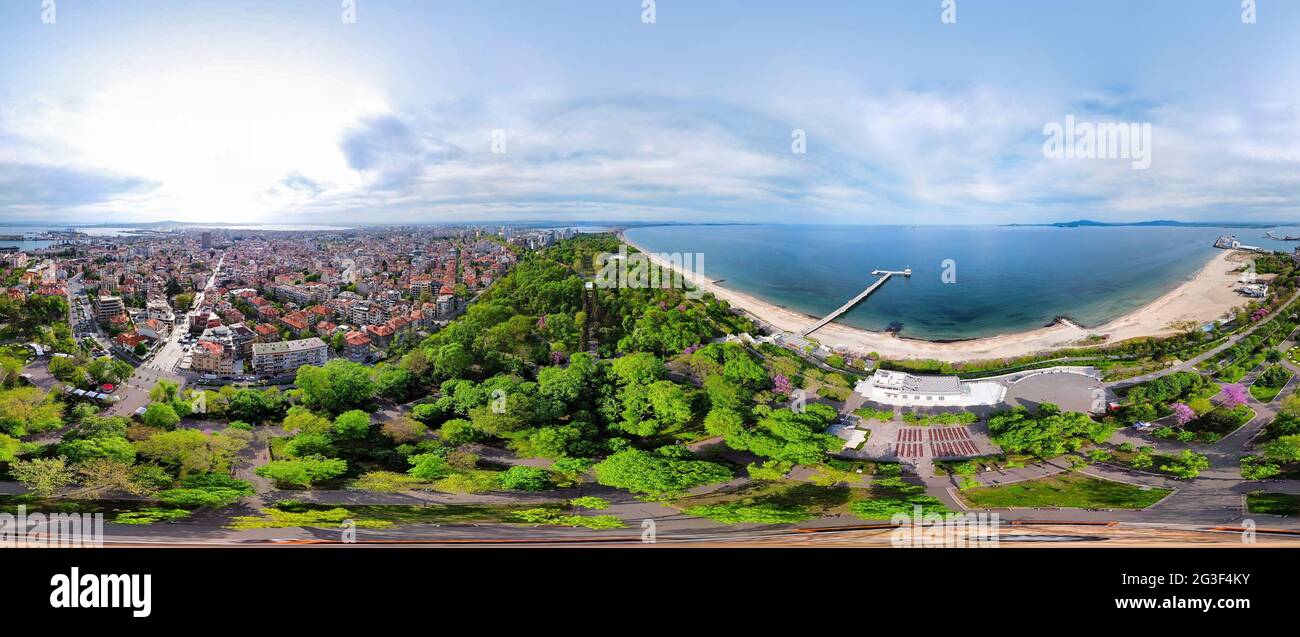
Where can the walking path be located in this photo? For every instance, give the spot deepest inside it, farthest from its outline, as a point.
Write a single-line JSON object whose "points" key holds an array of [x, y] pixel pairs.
{"points": [[1215, 497]]}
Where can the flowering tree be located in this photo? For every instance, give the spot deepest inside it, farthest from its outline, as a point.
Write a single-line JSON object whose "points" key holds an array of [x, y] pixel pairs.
{"points": [[557, 357], [1234, 395], [1183, 414], [781, 385]]}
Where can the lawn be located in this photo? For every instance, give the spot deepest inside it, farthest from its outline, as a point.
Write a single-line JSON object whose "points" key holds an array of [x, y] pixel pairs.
{"points": [[116, 511], [1263, 390], [790, 502], [294, 514], [801, 500], [942, 418], [868, 413], [1273, 504], [1066, 490], [1264, 394]]}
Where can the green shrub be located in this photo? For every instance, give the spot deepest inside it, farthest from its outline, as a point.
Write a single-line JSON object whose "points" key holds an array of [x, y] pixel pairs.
{"points": [[150, 515], [885, 508], [552, 517], [761, 513], [303, 472], [520, 478]]}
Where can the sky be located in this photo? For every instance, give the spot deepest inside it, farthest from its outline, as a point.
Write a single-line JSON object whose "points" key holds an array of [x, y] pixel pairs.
{"points": [[815, 111]]}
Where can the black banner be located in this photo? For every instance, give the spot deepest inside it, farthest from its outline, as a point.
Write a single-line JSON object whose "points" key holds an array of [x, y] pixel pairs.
{"points": [[311, 585]]}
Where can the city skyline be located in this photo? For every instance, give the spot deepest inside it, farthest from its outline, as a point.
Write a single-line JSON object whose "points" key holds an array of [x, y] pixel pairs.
{"points": [[242, 113]]}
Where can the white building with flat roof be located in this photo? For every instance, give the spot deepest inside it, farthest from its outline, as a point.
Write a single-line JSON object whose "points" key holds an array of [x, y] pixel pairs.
{"points": [[286, 356], [890, 387], [1254, 290]]}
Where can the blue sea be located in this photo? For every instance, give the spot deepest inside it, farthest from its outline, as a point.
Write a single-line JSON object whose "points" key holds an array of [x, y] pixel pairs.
{"points": [[1004, 279]]}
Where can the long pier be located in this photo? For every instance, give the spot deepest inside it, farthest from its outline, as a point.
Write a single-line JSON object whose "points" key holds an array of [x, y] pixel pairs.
{"points": [[884, 276]]}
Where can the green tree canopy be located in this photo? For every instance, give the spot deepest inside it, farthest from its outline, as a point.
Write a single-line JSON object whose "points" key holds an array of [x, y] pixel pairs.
{"points": [[340, 385], [160, 415], [644, 472], [1046, 433], [303, 472], [352, 425]]}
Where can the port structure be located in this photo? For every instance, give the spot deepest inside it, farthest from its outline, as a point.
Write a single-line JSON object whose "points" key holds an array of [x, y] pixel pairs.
{"points": [[884, 276]]}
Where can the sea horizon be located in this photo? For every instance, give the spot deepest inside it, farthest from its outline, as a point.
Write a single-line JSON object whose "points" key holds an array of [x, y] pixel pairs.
{"points": [[1002, 279]]}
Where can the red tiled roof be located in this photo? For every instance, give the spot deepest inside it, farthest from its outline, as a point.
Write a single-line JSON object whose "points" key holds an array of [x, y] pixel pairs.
{"points": [[129, 339], [294, 321], [213, 348]]}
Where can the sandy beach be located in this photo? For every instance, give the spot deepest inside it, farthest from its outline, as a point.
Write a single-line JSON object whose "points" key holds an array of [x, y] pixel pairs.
{"points": [[1210, 295]]}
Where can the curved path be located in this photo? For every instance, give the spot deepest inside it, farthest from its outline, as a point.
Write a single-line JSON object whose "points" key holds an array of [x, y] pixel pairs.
{"points": [[1216, 497]]}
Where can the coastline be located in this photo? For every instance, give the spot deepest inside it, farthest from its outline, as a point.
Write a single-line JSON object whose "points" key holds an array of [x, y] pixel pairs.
{"points": [[1207, 296]]}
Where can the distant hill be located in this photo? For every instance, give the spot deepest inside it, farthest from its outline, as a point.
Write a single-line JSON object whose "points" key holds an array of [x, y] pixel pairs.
{"points": [[1088, 223]]}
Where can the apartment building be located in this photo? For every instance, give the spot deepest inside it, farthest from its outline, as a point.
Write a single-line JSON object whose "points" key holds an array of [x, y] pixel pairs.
{"points": [[286, 356], [211, 357], [357, 347], [159, 310], [107, 307]]}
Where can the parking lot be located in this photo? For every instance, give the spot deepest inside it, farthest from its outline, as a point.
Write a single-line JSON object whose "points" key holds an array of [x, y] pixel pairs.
{"points": [[1070, 392]]}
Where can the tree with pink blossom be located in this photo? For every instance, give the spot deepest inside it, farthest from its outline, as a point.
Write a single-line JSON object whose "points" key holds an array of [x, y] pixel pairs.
{"points": [[1183, 414], [1234, 395], [781, 385]]}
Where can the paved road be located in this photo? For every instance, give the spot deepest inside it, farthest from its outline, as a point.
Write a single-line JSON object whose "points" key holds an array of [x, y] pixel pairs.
{"points": [[170, 354], [1190, 364], [77, 291]]}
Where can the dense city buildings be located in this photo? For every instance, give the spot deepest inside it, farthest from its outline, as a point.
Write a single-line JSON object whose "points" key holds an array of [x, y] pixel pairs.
{"points": [[213, 301]]}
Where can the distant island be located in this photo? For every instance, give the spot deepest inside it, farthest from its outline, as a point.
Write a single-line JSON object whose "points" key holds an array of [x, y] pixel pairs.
{"points": [[1088, 223]]}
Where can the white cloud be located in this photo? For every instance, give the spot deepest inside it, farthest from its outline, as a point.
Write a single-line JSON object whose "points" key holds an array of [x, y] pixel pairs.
{"points": [[214, 140], [255, 146]]}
